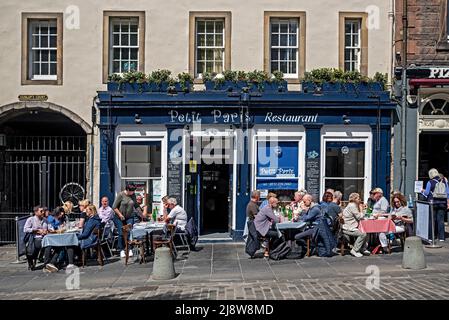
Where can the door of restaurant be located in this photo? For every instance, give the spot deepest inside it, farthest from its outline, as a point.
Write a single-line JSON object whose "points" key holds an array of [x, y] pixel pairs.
{"points": [[433, 153]]}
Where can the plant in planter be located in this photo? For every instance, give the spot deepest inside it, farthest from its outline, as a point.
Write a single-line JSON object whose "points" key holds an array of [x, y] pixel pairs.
{"points": [[257, 79], [159, 79], [133, 81], [379, 81], [219, 81], [208, 80], [277, 82], [114, 82], [185, 81]]}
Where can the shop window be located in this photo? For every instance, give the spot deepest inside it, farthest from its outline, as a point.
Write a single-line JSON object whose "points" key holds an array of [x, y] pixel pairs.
{"points": [[277, 168], [345, 167], [141, 164], [435, 107]]}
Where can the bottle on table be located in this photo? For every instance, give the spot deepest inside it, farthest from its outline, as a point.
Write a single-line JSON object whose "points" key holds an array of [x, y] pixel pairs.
{"points": [[290, 214], [154, 215]]}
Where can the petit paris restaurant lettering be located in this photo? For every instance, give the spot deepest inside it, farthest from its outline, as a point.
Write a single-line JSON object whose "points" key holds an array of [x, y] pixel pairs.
{"points": [[217, 116]]}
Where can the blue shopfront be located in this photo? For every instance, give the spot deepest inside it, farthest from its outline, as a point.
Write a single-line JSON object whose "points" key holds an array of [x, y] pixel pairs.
{"points": [[210, 149]]}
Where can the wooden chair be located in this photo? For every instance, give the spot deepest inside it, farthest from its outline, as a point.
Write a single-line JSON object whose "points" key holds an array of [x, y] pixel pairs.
{"points": [[343, 240], [138, 243], [98, 249], [158, 241]]}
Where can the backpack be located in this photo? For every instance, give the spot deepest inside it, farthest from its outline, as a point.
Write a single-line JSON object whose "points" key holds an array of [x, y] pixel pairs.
{"points": [[281, 251], [440, 192]]}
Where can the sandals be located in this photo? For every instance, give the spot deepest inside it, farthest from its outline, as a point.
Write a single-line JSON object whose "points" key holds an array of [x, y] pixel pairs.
{"points": [[266, 254]]}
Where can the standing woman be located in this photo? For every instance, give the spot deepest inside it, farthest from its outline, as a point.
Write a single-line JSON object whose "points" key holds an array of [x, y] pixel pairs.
{"points": [[437, 190]]}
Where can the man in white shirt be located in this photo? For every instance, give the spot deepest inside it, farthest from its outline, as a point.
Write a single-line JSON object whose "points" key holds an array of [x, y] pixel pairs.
{"points": [[177, 214], [381, 205]]}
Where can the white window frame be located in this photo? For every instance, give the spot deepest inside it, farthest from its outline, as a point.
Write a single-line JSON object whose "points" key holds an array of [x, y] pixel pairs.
{"points": [[130, 135], [284, 134], [32, 49], [279, 20], [206, 47], [112, 46], [348, 134], [354, 50]]}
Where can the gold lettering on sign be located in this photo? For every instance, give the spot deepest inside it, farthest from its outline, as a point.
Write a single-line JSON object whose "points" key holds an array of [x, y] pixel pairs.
{"points": [[33, 97]]}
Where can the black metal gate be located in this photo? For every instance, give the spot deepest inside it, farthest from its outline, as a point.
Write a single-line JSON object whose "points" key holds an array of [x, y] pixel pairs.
{"points": [[33, 170]]}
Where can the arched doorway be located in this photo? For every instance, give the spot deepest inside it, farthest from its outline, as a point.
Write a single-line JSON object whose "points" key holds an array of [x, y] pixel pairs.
{"points": [[42, 149]]}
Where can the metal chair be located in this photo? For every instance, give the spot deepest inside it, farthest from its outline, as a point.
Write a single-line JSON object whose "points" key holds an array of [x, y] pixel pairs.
{"points": [[184, 240], [106, 236]]}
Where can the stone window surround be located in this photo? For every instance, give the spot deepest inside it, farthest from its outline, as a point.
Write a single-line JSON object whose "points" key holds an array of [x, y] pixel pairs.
{"points": [[364, 39], [25, 76], [106, 27], [301, 40]]}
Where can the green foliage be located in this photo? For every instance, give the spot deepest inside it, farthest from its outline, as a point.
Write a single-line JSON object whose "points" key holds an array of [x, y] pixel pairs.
{"points": [[159, 76], [278, 76], [230, 75], [242, 76], [185, 80], [115, 77], [133, 77], [321, 75]]}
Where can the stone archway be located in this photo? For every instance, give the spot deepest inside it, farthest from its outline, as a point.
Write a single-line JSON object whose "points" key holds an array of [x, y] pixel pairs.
{"points": [[6, 111]]}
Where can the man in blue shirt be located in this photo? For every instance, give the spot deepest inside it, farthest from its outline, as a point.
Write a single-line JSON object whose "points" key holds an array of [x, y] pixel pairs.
{"points": [[310, 215]]}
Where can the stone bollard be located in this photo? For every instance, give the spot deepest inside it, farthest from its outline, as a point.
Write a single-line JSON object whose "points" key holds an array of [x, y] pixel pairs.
{"points": [[413, 257], [163, 266]]}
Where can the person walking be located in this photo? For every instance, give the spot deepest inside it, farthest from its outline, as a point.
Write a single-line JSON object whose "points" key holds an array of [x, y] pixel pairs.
{"points": [[437, 191]]}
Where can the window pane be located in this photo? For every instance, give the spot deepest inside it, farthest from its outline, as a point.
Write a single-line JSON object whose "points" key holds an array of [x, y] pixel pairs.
{"points": [[209, 26], [283, 54], [116, 40], [218, 54], [36, 70], [209, 40], [134, 53], [293, 26], [209, 66], [53, 30], [274, 27], [347, 54], [348, 41], [218, 67], [347, 27], [53, 68], [133, 28], [125, 54], [125, 40], [274, 54], [116, 54], [284, 27], [219, 27], [53, 41], [133, 39], [36, 55], [274, 66], [200, 67], [292, 40], [44, 42], [116, 27], [125, 66], [35, 41], [200, 26], [209, 54], [133, 65], [293, 67], [218, 40], [44, 55], [283, 67], [125, 27], [348, 66], [116, 67], [274, 40], [201, 40], [44, 68], [345, 159], [355, 40], [284, 39], [53, 55], [200, 54]]}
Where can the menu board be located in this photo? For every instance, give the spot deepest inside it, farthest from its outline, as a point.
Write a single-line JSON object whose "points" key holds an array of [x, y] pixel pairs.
{"points": [[313, 177], [174, 180]]}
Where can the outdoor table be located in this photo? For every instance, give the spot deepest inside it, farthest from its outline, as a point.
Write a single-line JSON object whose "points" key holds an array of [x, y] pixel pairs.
{"points": [[377, 226], [65, 239], [145, 230], [289, 227]]}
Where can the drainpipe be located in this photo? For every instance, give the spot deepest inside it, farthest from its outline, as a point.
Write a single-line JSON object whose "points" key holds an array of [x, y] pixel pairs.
{"points": [[92, 150], [404, 95]]}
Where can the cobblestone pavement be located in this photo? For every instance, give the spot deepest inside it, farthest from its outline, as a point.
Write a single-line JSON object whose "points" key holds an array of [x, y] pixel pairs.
{"points": [[223, 271]]}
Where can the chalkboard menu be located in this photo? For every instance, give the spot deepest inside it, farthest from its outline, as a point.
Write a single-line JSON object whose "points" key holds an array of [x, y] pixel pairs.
{"points": [[174, 180], [313, 177]]}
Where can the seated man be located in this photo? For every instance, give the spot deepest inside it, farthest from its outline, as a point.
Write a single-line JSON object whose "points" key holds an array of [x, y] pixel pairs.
{"points": [[141, 211], [310, 215], [265, 222], [35, 229], [177, 215]]}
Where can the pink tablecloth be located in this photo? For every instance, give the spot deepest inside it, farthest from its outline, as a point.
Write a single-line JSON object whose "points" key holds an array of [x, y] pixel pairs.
{"points": [[377, 226]]}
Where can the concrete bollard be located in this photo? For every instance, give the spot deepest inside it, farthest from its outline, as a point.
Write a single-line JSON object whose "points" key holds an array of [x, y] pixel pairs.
{"points": [[163, 266], [413, 257]]}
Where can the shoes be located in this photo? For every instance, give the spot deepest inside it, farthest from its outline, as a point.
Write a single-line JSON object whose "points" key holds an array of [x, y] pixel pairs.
{"points": [[266, 254], [70, 267], [356, 254], [122, 254], [130, 253], [366, 253], [51, 267], [441, 240], [45, 270], [335, 251]]}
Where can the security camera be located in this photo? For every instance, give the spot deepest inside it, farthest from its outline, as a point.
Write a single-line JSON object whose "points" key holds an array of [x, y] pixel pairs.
{"points": [[412, 99], [346, 119]]}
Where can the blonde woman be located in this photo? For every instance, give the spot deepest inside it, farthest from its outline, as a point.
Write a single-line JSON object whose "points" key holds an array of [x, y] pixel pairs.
{"points": [[68, 207], [352, 215], [83, 205]]}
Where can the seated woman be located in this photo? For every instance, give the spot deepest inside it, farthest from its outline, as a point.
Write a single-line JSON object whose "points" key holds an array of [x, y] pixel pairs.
{"points": [[352, 215], [83, 216], [56, 219], [400, 214]]}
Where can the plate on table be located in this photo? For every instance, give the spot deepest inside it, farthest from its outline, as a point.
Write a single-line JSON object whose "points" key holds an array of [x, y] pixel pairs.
{"points": [[140, 225], [73, 230]]}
